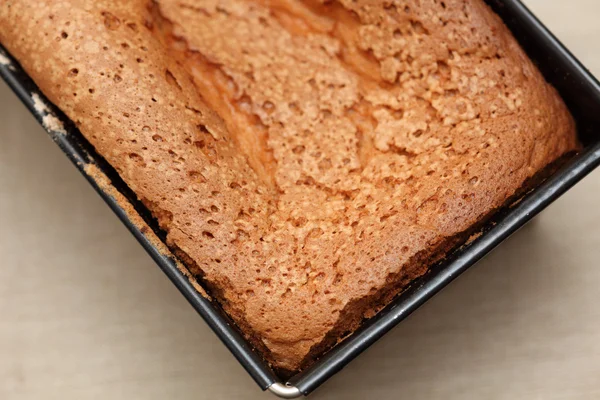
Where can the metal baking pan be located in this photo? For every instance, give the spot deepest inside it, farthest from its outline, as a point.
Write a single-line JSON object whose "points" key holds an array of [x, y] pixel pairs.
{"points": [[579, 89]]}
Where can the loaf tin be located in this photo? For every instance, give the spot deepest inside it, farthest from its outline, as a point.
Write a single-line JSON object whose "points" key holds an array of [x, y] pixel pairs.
{"points": [[579, 89]]}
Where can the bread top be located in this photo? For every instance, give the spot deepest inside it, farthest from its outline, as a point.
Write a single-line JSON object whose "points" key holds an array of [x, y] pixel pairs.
{"points": [[299, 154]]}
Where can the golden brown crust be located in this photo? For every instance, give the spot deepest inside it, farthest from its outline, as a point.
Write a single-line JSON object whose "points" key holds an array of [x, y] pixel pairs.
{"points": [[357, 140]]}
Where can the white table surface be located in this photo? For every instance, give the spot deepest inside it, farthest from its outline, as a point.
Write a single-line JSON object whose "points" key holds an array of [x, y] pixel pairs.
{"points": [[86, 314]]}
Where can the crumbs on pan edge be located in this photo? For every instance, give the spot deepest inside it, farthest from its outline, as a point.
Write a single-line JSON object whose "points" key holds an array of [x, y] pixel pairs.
{"points": [[473, 237], [105, 184], [6, 61], [49, 120]]}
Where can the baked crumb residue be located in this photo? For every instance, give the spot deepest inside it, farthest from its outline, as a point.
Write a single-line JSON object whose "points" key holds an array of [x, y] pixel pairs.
{"points": [[107, 187], [49, 120], [307, 159], [39, 104], [4, 60]]}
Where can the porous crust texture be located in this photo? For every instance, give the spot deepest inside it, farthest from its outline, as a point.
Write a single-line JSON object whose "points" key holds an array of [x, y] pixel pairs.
{"points": [[307, 159]]}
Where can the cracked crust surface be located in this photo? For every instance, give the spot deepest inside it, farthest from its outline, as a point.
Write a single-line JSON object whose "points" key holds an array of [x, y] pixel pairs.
{"points": [[306, 159]]}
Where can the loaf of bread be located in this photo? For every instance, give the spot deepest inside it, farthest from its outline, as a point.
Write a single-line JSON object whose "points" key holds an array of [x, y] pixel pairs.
{"points": [[306, 158]]}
